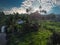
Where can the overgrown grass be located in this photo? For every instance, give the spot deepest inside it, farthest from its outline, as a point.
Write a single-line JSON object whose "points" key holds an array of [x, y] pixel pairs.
{"points": [[41, 37]]}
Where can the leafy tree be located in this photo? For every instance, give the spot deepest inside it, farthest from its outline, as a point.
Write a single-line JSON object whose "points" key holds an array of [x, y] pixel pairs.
{"points": [[27, 10]]}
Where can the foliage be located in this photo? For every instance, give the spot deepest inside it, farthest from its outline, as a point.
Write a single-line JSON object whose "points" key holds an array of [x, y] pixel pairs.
{"points": [[29, 33]]}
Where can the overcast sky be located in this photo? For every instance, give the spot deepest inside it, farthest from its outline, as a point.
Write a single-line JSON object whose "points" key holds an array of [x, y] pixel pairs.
{"points": [[10, 6]]}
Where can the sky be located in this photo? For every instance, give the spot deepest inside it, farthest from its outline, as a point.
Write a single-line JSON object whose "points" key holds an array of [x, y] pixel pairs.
{"points": [[10, 3], [20, 6]]}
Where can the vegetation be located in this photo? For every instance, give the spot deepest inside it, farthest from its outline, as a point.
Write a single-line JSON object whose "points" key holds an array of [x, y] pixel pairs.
{"points": [[43, 32]]}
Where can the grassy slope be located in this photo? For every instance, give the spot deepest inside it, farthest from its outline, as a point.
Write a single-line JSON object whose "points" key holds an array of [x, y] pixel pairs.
{"points": [[40, 37]]}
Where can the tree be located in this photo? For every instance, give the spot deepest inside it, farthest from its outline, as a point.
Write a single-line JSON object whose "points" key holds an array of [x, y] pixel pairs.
{"points": [[27, 10], [2, 14], [43, 11], [52, 16]]}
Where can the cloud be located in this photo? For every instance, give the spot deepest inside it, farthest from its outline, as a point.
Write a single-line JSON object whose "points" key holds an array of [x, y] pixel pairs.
{"points": [[58, 2], [15, 10], [34, 5]]}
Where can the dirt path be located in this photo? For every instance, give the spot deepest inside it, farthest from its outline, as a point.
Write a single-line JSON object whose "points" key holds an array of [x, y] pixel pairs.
{"points": [[3, 39]]}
